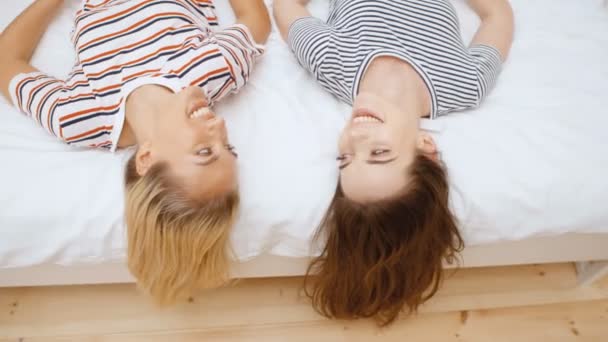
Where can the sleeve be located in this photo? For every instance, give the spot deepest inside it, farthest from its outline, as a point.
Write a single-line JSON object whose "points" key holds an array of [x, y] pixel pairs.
{"points": [[308, 38], [488, 63], [240, 50], [63, 108]]}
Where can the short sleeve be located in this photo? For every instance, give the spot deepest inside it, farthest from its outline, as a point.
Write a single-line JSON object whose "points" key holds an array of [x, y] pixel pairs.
{"points": [[308, 38], [488, 63], [240, 50], [67, 109]]}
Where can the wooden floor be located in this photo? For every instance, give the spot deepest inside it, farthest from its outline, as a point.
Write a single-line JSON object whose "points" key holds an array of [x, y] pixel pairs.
{"points": [[527, 303]]}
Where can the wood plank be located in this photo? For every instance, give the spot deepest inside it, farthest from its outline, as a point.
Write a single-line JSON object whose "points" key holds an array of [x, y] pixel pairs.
{"points": [[591, 271], [563, 322], [119, 309], [602, 283]]}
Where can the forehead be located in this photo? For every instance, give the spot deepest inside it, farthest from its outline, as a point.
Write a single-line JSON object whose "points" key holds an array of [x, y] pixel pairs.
{"points": [[362, 182]]}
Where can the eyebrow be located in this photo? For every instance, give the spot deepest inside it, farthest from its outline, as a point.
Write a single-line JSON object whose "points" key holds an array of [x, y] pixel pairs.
{"points": [[372, 162], [342, 167], [210, 161]]}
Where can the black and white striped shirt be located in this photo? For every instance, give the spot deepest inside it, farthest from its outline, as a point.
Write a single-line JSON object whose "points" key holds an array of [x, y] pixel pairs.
{"points": [[424, 33]]}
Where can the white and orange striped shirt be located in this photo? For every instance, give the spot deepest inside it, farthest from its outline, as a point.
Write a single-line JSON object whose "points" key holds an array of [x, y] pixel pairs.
{"points": [[124, 44]]}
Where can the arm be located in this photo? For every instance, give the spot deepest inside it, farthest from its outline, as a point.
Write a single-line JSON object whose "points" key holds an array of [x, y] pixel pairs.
{"points": [[254, 15], [288, 11], [20, 39], [496, 27]]}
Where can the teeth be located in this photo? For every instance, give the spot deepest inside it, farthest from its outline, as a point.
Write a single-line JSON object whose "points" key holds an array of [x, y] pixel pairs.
{"points": [[200, 112], [366, 118]]}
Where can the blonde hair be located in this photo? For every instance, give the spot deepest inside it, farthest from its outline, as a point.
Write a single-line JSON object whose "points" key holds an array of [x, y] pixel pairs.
{"points": [[176, 245]]}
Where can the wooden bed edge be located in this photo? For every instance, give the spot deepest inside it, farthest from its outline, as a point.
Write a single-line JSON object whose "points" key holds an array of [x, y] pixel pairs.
{"points": [[578, 248]]}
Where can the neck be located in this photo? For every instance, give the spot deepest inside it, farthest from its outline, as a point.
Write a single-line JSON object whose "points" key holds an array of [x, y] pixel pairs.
{"points": [[398, 83], [139, 115]]}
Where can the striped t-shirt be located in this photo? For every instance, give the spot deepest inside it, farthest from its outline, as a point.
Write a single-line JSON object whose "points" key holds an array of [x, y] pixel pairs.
{"points": [[424, 33], [124, 44]]}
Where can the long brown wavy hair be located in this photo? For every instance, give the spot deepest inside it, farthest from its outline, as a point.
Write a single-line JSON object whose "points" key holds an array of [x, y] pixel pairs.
{"points": [[176, 245], [385, 256]]}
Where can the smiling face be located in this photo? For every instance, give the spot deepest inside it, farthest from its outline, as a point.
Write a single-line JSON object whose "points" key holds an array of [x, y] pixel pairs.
{"points": [[193, 141], [376, 147]]}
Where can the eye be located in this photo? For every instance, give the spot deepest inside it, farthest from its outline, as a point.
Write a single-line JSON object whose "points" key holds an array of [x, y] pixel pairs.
{"points": [[342, 161], [379, 152], [232, 150], [205, 152]]}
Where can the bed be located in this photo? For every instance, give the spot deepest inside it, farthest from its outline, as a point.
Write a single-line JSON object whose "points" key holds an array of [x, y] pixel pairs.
{"points": [[527, 169]]}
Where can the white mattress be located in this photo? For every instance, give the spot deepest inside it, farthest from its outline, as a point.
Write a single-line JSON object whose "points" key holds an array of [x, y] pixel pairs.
{"points": [[531, 161]]}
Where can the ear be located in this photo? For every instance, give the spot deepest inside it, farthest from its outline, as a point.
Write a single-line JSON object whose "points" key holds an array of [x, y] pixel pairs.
{"points": [[143, 159], [426, 145]]}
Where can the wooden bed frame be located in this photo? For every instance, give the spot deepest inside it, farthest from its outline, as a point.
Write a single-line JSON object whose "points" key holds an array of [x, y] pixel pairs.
{"points": [[588, 251]]}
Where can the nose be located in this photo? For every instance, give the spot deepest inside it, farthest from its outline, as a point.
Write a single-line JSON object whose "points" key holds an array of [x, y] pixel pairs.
{"points": [[216, 125], [216, 122], [357, 135]]}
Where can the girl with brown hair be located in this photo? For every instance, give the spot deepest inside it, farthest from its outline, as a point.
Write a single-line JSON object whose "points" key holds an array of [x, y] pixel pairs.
{"points": [[389, 227]]}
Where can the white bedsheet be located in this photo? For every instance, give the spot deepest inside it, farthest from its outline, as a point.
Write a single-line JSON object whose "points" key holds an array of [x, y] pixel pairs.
{"points": [[531, 161]]}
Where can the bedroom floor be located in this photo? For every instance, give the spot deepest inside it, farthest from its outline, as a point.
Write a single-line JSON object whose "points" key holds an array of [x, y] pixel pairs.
{"points": [[523, 303]]}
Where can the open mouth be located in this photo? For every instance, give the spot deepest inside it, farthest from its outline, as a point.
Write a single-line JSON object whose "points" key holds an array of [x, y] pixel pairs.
{"points": [[365, 116], [201, 112]]}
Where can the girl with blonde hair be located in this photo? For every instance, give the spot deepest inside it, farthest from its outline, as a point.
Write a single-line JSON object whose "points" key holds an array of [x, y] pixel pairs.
{"points": [[147, 74]]}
